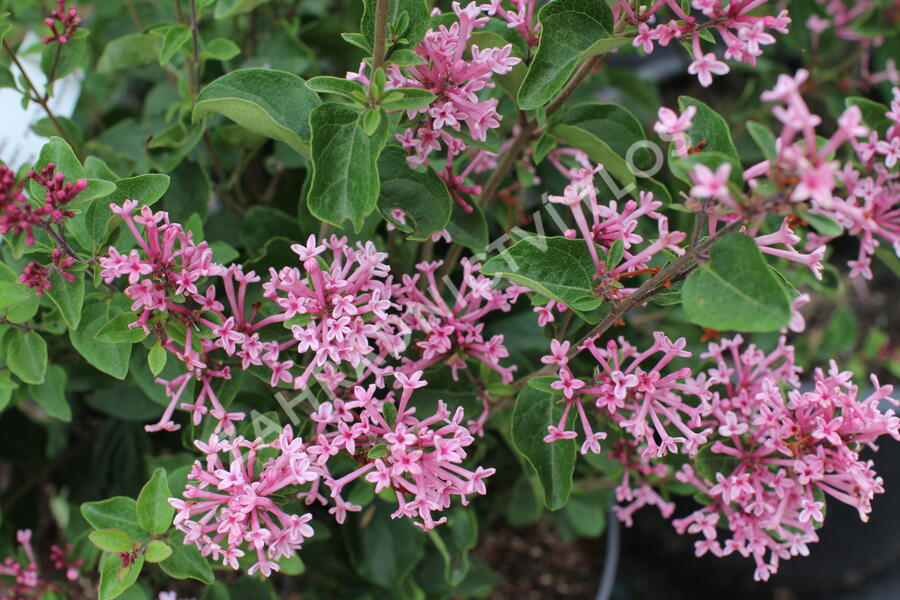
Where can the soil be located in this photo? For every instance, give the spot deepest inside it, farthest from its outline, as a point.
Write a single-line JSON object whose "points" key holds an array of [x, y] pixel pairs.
{"points": [[537, 565]]}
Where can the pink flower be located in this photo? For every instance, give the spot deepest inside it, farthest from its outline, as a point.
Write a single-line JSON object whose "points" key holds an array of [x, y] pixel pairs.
{"points": [[671, 123], [68, 21], [890, 150], [786, 453], [711, 185], [231, 508], [705, 66], [644, 38]]}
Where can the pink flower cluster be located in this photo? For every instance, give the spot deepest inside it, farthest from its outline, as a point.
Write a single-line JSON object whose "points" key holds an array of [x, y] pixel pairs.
{"points": [[341, 311], [846, 19], [233, 508], [455, 81], [640, 475], [236, 506], [645, 402], [163, 286], [743, 33], [521, 18], [608, 224], [420, 459], [788, 454], [18, 216], [454, 330], [26, 580], [68, 21], [456, 73], [863, 196], [339, 314]]}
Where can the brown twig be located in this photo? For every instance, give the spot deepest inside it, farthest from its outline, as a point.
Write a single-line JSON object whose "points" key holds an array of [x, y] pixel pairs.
{"points": [[638, 297], [379, 46], [33, 95]]}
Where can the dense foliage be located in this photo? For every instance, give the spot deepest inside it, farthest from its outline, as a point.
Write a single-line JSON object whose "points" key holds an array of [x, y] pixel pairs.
{"points": [[285, 308]]}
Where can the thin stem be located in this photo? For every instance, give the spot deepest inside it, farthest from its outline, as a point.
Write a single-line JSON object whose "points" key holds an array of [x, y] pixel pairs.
{"points": [[577, 79], [639, 296], [51, 77], [195, 36], [490, 189], [33, 95], [135, 16], [379, 48]]}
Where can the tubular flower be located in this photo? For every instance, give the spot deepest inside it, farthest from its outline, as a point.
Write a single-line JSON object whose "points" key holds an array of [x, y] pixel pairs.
{"points": [[231, 503], [781, 456]]}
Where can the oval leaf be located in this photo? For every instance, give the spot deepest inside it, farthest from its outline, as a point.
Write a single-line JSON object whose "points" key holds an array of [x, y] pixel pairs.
{"points": [[736, 290], [275, 104]]}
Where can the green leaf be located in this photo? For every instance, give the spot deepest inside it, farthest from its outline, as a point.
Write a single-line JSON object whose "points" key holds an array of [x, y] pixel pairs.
{"points": [[218, 591], [557, 268], [736, 290], [345, 184], [186, 561], [275, 104], [92, 227], [157, 551], [407, 99], [6, 78], [616, 252], [291, 566], [377, 451], [117, 512], [225, 9], [219, 49], [176, 37], [26, 356], [586, 512], [371, 120], [51, 395], [107, 357], [23, 310], [111, 540], [58, 152], [156, 358], [117, 330], [384, 550], [873, 113], [708, 463], [390, 413], [129, 51], [261, 224], [764, 138], [72, 55], [823, 225], [154, 513], [68, 297], [420, 194], [605, 46], [543, 383], [468, 229], [569, 28], [553, 463], [146, 189], [115, 579], [417, 11], [327, 84], [606, 133], [12, 293], [710, 128]]}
